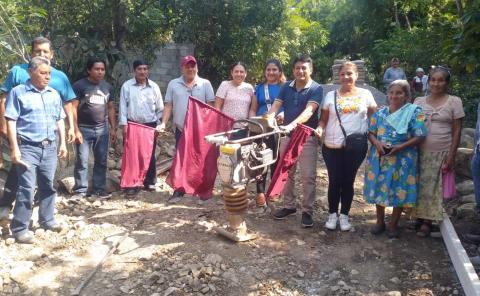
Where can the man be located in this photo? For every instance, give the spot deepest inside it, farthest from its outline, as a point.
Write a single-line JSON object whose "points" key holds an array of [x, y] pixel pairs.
{"points": [[19, 74], [93, 107], [34, 114], [141, 102], [176, 100], [393, 73], [419, 83], [301, 99]]}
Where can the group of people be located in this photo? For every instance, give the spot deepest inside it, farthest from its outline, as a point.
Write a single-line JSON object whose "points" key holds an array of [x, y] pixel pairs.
{"points": [[411, 144]]}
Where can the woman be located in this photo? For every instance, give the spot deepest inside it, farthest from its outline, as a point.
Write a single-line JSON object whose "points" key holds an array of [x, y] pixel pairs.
{"points": [[265, 94], [344, 113], [391, 170], [234, 97], [444, 114]]}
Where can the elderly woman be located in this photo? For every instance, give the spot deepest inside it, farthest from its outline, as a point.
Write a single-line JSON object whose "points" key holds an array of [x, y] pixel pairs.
{"points": [[391, 170], [234, 97], [444, 114], [265, 94], [344, 114]]}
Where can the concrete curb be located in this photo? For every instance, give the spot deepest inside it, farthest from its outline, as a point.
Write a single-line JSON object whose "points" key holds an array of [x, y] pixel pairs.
{"points": [[461, 262]]}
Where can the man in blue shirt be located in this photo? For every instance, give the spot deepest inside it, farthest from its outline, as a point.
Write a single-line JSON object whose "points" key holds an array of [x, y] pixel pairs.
{"points": [[301, 99], [19, 74], [34, 114]]}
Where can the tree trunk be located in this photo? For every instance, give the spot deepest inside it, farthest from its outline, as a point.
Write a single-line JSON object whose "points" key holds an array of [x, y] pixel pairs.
{"points": [[395, 10], [408, 22], [120, 24], [459, 7]]}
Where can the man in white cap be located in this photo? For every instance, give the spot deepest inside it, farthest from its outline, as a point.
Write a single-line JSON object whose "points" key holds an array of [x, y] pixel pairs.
{"points": [[176, 100], [419, 83]]}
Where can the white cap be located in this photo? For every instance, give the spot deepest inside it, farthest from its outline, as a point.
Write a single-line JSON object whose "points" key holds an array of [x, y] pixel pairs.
{"points": [[419, 70]]}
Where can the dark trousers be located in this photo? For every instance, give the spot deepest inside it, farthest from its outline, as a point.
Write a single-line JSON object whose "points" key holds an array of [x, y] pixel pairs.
{"points": [[10, 188], [342, 167]]}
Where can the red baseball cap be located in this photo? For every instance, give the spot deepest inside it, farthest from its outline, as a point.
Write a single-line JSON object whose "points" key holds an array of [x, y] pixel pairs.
{"points": [[188, 59]]}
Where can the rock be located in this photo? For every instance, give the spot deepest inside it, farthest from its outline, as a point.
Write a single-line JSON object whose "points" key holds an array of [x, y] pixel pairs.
{"points": [[300, 274], [97, 204], [462, 162], [79, 225], [395, 280], [465, 210], [467, 139], [465, 188], [354, 272], [111, 164], [21, 272], [124, 289], [394, 293], [39, 232], [467, 199], [334, 275], [205, 289], [171, 291], [9, 241], [36, 253], [67, 183], [213, 259]]}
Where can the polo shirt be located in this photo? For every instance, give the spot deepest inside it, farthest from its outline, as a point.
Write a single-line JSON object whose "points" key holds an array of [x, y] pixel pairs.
{"points": [[294, 102], [58, 81], [35, 111], [178, 93], [140, 103]]}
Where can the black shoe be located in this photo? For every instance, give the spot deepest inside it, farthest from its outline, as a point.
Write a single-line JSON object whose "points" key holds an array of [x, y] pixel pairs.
{"points": [[54, 228], [26, 238], [102, 195], [132, 191], [283, 213], [473, 238], [307, 220], [176, 197]]}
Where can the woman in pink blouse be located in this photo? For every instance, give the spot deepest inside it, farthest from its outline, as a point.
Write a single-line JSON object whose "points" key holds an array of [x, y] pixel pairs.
{"points": [[234, 97]]}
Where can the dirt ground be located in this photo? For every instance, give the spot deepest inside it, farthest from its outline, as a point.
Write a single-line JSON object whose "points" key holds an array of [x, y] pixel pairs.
{"points": [[172, 250]]}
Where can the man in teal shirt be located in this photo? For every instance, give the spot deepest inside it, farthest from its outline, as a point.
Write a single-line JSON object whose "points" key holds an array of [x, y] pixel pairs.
{"points": [[18, 75]]}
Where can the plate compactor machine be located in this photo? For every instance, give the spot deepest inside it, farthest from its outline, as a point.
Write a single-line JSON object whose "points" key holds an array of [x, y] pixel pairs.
{"points": [[244, 157]]}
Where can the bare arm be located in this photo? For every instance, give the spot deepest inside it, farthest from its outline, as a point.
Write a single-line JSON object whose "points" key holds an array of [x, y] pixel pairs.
{"points": [[306, 114], [78, 133], [277, 104], [70, 112], [3, 123], [253, 107], [371, 110], [112, 120], [322, 123], [62, 146], [218, 103], [167, 112], [456, 134], [12, 139]]}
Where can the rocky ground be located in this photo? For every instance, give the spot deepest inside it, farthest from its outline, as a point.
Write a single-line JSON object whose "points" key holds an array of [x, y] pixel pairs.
{"points": [[172, 250]]}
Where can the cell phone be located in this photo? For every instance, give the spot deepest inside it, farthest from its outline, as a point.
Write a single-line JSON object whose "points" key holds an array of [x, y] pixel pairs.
{"points": [[387, 149]]}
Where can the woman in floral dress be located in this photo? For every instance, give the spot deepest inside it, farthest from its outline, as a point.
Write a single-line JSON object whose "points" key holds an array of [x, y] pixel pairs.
{"points": [[391, 170]]}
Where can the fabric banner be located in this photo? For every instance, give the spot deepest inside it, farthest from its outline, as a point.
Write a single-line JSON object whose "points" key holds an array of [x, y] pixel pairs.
{"points": [[194, 167], [288, 159], [137, 151]]}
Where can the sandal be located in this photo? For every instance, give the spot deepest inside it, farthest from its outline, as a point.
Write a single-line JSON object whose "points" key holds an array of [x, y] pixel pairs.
{"points": [[424, 230], [377, 229]]}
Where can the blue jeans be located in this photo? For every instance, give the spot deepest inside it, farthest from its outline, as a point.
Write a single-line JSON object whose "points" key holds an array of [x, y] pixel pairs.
{"points": [[97, 138], [42, 162], [476, 175]]}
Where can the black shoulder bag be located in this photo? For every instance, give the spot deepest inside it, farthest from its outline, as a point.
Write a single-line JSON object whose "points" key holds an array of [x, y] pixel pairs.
{"points": [[356, 141]]}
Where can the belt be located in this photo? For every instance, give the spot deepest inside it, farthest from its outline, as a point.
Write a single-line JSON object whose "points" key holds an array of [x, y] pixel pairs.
{"points": [[41, 144]]}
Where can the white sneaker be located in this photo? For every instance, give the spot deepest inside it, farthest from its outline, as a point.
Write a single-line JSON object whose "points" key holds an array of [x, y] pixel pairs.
{"points": [[344, 224], [331, 223]]}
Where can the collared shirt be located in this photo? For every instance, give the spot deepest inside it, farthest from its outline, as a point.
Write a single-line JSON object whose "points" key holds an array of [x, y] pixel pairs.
{"points": [[294, 102], [35, 111], [58, 81], [140, 103], [178, 93]]}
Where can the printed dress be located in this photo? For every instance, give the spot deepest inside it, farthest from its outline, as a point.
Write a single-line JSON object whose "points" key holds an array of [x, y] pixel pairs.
{"points": [[392, 180]]}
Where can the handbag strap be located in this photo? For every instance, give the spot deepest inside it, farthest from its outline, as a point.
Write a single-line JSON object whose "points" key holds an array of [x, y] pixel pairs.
{"points": [[338, 115]]}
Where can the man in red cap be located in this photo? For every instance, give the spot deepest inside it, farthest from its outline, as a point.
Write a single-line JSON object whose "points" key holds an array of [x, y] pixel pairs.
{"points": [[176, 99]]}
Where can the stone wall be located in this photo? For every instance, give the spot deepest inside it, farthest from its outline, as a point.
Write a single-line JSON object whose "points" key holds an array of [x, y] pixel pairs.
{"points": [[165, 67]]}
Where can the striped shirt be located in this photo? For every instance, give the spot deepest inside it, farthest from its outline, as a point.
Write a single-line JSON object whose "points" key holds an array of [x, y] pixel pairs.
{"points": [[35, 111]]}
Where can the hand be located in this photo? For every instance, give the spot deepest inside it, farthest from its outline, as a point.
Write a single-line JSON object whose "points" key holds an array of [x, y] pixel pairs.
{"points": [[78, 137], [71, 135], [393, 150], [288, 128], [113, 135], [319, 132], [280, 119], [448, 164], [62, 151], [16, 157], [160, 128], [379, 146]]}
